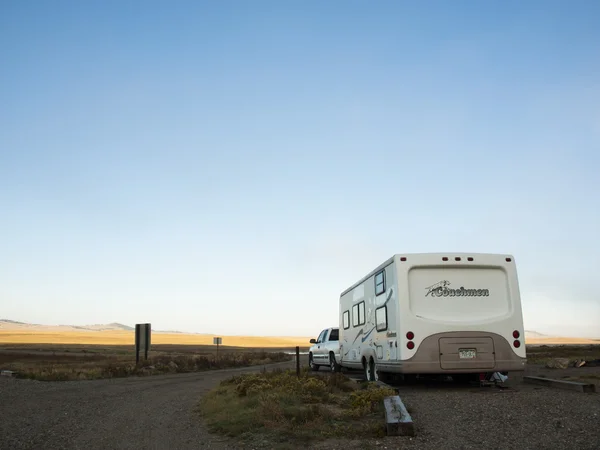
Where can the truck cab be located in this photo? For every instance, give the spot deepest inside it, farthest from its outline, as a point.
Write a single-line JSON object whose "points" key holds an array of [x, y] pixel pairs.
{"points": [[325, 350]]}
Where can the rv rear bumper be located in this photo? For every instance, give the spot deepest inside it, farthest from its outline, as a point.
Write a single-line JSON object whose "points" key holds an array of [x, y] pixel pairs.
{"points": [[439, 353]]}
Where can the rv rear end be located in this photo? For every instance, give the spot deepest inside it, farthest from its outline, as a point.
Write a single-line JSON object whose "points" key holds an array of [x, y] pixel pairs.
{"points": [[459, 313]]}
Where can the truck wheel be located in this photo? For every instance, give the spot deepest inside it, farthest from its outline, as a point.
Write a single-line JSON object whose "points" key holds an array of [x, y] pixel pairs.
{"points": [[311, 363], [333, 365]]}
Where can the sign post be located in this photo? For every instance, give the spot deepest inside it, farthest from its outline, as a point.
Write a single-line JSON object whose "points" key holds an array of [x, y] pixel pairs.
{"points": [[142, 340], [217, 341]]}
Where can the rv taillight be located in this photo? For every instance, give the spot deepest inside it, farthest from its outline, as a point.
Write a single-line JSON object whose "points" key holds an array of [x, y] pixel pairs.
{"points": [[516, 334], [517, 344], [410, 345], [410, 335], [444, 258]]}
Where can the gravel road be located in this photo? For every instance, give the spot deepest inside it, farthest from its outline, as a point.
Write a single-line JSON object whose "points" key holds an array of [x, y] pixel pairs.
{"points": [[156, 412], [525, 417]]}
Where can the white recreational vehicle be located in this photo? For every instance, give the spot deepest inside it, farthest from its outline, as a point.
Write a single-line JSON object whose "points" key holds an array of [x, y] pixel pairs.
{"points": [[434, 314]]}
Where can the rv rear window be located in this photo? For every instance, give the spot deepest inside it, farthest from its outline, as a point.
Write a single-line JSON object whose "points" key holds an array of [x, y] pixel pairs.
{"points": [[346, 319], [381, 318], [358, 314], [380, 283]]}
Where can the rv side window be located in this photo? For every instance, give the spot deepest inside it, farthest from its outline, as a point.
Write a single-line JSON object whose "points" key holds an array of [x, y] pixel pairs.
{"points": [[361, 313], [358, 314], [346, 319], [380, 283], [381, 318]]}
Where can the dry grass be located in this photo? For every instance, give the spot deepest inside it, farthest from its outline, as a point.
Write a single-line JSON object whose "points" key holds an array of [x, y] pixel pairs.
{"points": [[127, 338], [276, 407], [48, 366], [543, 353], [561, 341]]}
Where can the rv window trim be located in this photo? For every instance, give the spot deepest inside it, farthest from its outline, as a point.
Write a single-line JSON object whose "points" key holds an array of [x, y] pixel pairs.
{"points": [[364, 320], [358, 322], [346, 315], [386, 319], [382, 284]]}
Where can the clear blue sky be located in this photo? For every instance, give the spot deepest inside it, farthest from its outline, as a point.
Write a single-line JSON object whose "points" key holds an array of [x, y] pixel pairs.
{"points": [[232, 166]]}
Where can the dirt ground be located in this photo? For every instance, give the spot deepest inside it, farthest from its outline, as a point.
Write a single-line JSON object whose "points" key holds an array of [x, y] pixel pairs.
{"points": [[162, 412]]}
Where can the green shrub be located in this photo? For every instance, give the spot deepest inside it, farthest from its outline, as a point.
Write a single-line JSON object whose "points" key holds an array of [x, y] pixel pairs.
{"points": [[368, 400], [281, 406]]}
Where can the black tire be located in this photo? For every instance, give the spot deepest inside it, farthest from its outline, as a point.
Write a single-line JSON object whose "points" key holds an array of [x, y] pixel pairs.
{"points": [[333, 365], [370, 369], [374, 371], [314, 367]]}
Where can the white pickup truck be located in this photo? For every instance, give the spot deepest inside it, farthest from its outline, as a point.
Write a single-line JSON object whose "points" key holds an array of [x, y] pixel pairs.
{"points": [[325, 350]]}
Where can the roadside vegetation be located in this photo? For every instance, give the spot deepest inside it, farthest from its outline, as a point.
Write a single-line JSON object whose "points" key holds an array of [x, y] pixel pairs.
{"points": [[541, 354], [82, 366], [278, 406]]}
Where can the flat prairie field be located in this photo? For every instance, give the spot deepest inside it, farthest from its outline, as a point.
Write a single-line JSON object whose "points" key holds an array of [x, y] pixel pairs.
{"points": [[118, 337], [128, 338]]}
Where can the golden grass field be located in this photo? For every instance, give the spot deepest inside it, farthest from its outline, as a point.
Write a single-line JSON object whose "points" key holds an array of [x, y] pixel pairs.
{"points": [[561, 341], [115, 337], [128, 338]]}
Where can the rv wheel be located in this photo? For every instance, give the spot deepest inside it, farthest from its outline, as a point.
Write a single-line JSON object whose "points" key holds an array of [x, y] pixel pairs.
{"points": [[371, 370], [374, 371]]}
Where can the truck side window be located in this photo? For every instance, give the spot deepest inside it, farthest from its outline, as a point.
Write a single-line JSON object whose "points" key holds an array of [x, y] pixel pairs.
{"points": [[334, 335], [321, 337]]}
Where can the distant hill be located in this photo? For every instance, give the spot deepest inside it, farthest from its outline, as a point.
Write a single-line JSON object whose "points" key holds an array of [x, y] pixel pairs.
{"points": [[13, 325], [534, 334], [108, 327], [12, 321]]}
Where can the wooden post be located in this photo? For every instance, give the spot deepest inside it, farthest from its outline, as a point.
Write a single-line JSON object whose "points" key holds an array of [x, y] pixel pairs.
{"points": [[142, 340], [137, 343], [298, 361], [147, 338], [217, 341]]}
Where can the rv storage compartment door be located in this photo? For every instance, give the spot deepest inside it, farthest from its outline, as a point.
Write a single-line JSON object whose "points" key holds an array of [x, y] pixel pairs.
{"points": [[467, 353]]}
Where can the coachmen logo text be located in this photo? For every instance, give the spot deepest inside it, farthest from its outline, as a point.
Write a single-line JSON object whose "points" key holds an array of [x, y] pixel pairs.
{"points": [[441, 289]]}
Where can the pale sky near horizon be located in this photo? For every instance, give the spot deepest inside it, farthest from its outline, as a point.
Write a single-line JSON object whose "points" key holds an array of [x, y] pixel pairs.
{"points": [[230, 167]]}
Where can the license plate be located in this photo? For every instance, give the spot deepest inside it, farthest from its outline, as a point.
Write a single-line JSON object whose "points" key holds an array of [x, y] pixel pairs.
{"points": [[467, 353]]}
